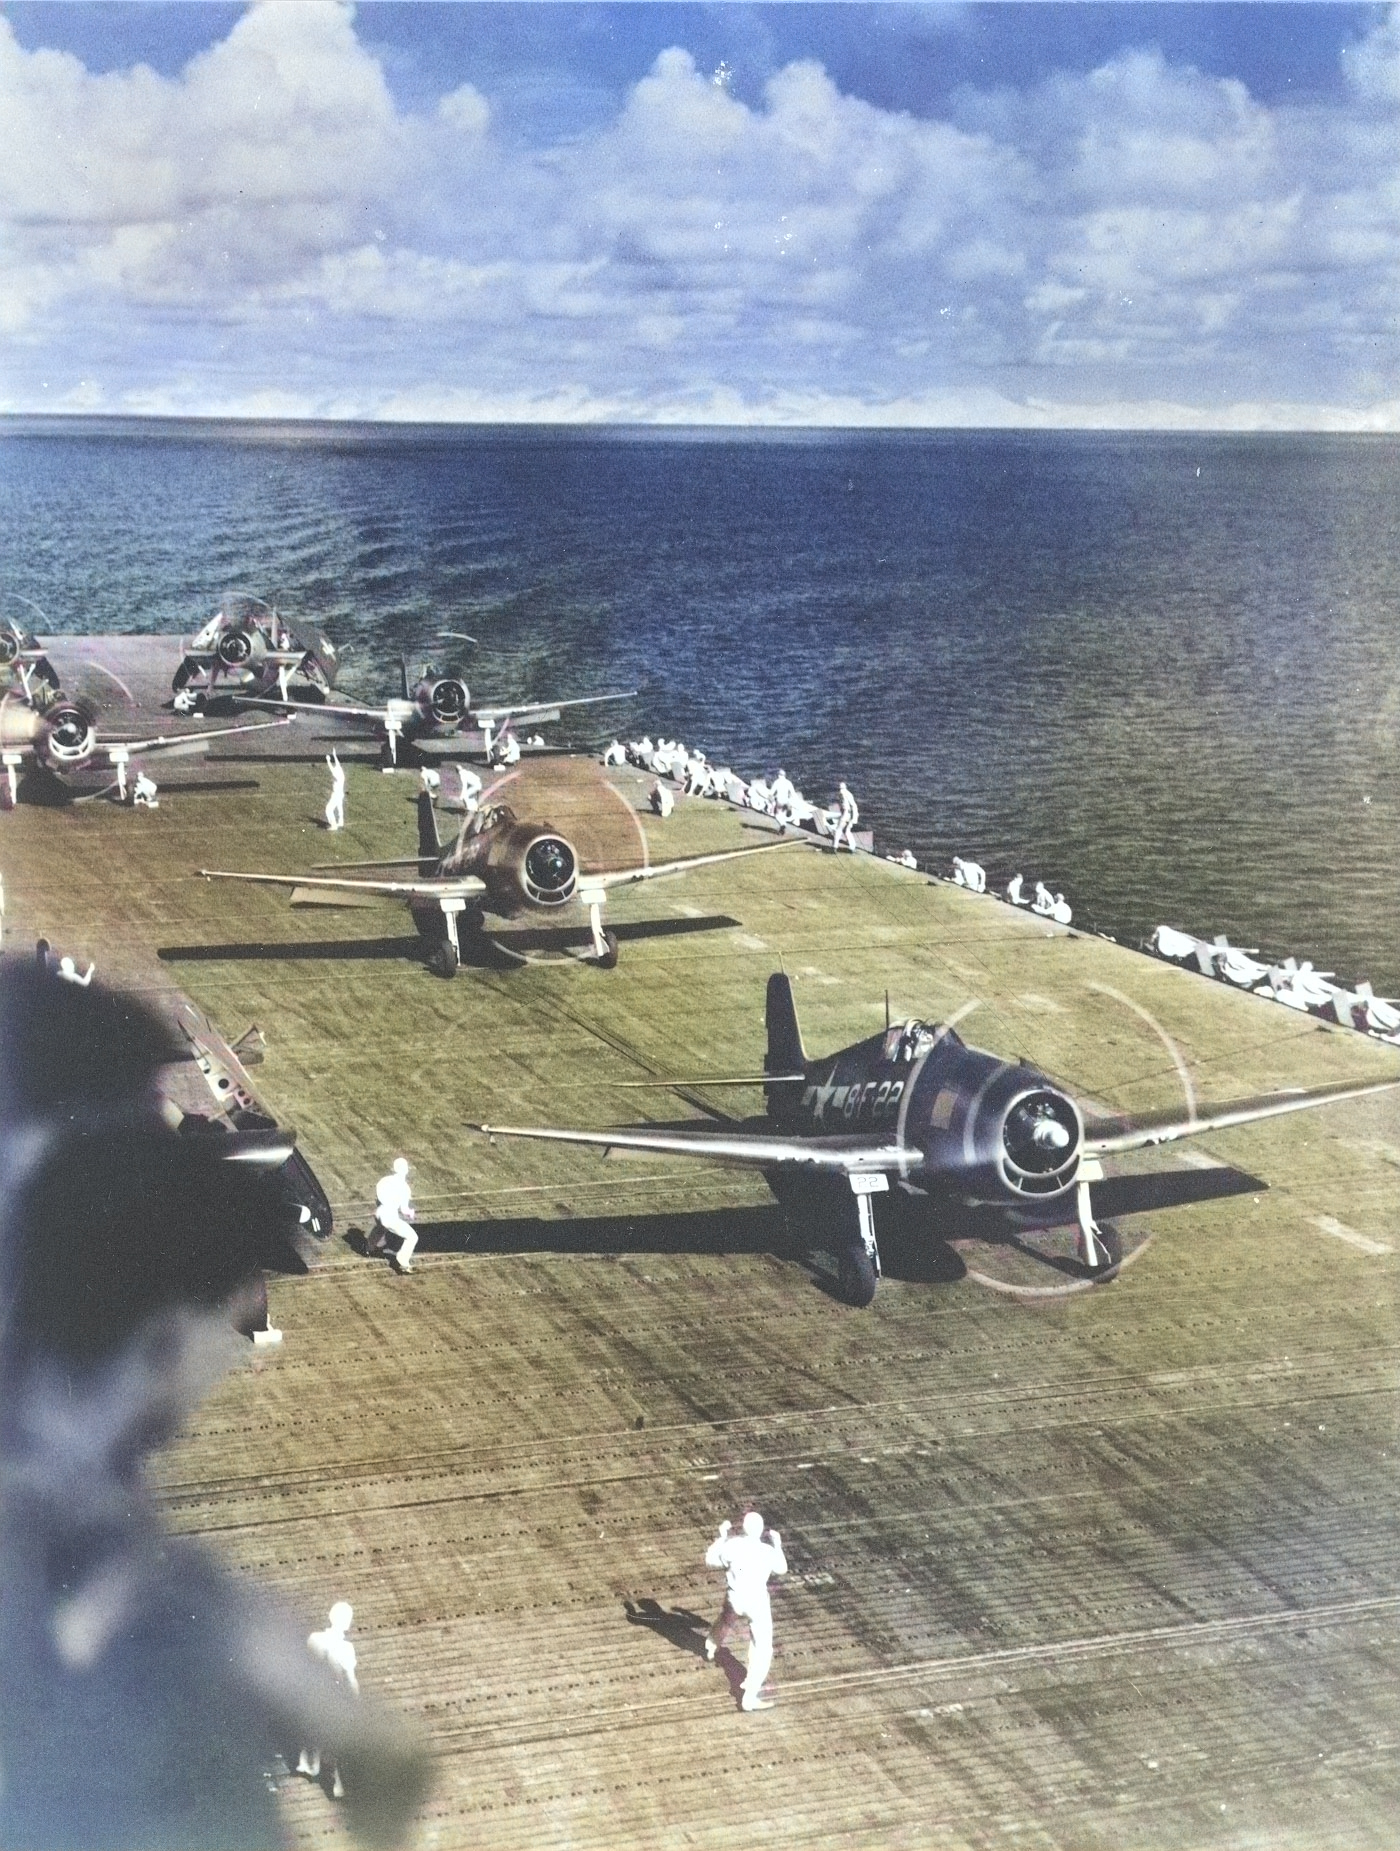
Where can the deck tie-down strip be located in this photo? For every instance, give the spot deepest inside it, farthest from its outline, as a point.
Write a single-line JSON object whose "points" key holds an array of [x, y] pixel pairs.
{"points": [[1183, 1637]]}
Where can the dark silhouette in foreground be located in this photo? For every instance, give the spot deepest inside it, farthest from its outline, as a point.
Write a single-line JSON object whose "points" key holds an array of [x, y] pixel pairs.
{"points": [[147, 1692]]}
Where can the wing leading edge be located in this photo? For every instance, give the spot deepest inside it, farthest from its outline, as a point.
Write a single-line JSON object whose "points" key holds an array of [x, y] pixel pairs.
{"points": [[838, 1156], [1107, 1137]]}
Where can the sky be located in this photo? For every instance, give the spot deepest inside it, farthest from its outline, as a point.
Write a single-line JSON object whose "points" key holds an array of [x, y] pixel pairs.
{"points": [[1042, 214]]}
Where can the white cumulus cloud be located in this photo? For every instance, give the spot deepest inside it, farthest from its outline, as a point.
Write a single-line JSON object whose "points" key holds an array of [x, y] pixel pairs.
{"points": [[270, 227]]}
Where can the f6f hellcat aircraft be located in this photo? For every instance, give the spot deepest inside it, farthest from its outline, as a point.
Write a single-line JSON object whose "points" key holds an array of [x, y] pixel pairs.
{"points": [[916, 1107], [500, 864], [440, 705], [248, 649], [59, 735]]}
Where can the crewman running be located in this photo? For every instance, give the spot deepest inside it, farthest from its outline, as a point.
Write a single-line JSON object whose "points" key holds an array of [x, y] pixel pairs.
{"points": [[394, 1212]]}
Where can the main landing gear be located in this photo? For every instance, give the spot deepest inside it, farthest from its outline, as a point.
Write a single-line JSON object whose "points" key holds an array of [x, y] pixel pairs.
{"points": [[1094, 1247], [831, 1222], [604, 943], [445, 959]]}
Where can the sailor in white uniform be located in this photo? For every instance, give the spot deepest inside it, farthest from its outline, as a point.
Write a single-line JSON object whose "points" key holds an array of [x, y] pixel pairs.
{"points": [[394, 1211], [747, 1560], [332, 1645]]}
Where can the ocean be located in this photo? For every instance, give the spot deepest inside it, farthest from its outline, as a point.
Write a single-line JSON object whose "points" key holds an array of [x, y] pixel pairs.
{"points": [[1159, 672]]}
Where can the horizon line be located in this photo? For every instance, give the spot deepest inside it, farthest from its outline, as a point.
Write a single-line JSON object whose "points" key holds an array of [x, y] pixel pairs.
{"points": [[676, 427]]}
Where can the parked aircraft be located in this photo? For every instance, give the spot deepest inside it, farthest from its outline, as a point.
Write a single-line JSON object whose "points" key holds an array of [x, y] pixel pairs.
{"points": [[502, 864], [249, 649], [305, 1207], [58, 734], [439, 705], [916, 1107], [24, 667]]}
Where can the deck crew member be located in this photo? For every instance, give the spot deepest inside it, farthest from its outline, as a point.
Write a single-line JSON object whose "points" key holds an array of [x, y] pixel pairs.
{"points": [[393, 1210], [847, 820], [68, 970], [332, 1645], [335, 803], [747, 1560], [143, 794], [1013, 891], [468, 786], [970, 874]]}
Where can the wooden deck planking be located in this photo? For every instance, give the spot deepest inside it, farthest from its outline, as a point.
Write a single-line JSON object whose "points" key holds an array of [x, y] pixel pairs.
{"points": [[1036, 1546]]}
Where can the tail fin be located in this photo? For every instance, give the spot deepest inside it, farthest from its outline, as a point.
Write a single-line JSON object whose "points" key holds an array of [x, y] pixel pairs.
{"points": [[786, 1053], [429, 846], [403, 677]]}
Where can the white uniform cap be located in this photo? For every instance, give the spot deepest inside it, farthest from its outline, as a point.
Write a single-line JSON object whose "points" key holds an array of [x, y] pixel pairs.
{"points": [[753, 1523]]}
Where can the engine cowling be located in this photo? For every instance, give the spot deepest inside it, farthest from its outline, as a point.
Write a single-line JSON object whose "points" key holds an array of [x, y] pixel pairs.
{"points": [[67, 737], [239, 647], [10, 646], [549, 871], [525, 865], [1005, 1132], [449, 701]]}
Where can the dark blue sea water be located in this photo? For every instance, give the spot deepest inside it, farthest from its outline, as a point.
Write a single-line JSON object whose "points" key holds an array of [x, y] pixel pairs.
{"points": [[1159, 671]]}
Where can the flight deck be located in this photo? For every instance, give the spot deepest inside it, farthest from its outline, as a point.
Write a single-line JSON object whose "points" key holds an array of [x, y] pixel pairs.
{"points": [[1072, 1564]]}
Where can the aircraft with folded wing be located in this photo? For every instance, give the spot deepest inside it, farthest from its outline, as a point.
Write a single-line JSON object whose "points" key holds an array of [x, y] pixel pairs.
{"points": [[501, 864], [439, 706], [917, 1109], [248, 648]]}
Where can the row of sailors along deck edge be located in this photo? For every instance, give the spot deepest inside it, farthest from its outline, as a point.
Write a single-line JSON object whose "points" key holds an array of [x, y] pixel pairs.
{"points": [[782, 800], [1295, 985]]}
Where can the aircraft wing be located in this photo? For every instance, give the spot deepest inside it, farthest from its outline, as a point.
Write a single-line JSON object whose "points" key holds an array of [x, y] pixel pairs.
{"points": [[622, 877], [186, 742], [542, 710], [459, 886], [317, 709], [1109, 1136], [854, 1153]]}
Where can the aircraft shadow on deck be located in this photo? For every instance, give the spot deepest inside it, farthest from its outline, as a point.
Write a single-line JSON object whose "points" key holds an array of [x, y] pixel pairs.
{"points": [[719, 1233], [494, 950], [406, 946], [914, 1238]]}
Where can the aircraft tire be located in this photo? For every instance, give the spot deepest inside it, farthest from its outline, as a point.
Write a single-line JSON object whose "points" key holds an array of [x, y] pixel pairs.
{"points": [[442, 960], [856, 1279], [608, 961], [250, 1307]]}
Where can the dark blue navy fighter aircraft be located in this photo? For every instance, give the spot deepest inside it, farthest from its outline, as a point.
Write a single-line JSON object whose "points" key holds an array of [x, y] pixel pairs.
{"points": [[917, 1108]]}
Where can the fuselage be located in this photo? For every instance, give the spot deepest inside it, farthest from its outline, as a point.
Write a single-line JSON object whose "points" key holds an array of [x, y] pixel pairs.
{"points": [[999, 1130]]}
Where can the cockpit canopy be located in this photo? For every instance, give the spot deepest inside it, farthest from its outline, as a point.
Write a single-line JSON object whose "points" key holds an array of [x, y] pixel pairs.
{"points": [[911, 1040]]}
